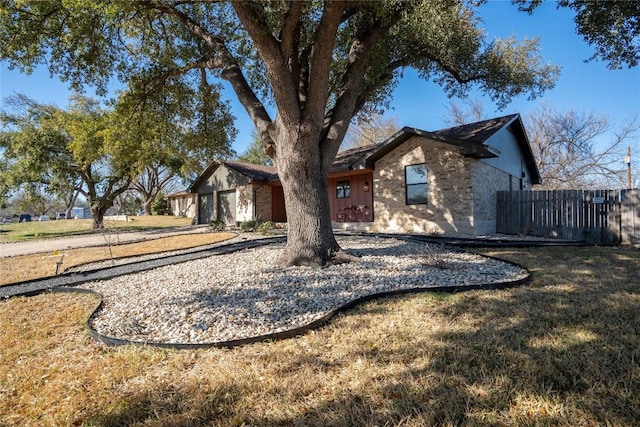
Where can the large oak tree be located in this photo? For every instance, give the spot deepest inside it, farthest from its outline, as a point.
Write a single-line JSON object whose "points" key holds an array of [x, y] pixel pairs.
{"points": [[315, 64]]}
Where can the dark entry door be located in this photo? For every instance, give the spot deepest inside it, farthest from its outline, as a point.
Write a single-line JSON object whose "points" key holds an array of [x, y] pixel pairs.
{"points": [[278, 212]]}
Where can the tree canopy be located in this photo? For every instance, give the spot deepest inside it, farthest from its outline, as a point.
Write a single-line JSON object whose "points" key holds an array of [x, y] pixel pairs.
{"points": [[80, 149], [92, 150], [612, 27]]}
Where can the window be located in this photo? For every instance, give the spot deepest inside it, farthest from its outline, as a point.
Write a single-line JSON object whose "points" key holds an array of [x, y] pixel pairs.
{"points": [[415, 178], [343, 190]]}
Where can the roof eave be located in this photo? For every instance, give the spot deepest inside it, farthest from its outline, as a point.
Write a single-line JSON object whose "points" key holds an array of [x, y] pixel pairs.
{"points": [[205, 173]]}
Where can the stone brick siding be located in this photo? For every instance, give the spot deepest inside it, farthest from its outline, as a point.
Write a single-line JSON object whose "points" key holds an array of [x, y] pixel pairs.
{"points": [[449, 208], [263, 202], [487, 180]]}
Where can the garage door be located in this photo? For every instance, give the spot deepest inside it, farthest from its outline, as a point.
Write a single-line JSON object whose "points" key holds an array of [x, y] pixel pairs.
{"points": [[227, 207], [205, 210]]}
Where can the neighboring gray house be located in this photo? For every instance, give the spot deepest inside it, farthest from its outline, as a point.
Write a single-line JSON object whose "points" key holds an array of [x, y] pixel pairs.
{"points": [[415, 181], [233, 191], [182, 204]]}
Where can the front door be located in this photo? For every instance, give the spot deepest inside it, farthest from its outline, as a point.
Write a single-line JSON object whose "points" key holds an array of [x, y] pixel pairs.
{"points": [[227, 207], [278, 211]]}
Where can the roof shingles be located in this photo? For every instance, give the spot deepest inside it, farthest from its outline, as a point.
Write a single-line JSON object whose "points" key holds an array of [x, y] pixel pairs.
{"points": [[468, 136]]}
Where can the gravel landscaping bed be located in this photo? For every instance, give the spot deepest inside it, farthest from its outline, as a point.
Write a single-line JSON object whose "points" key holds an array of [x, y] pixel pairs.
{"points": [[139, 258], [243, 294]]}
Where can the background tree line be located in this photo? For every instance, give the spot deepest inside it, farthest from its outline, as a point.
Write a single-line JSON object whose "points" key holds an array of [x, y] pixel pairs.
{"points": [[104, 153]]}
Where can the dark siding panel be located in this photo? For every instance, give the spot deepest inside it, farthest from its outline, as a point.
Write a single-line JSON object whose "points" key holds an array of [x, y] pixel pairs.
{"points": [[358, 197]]}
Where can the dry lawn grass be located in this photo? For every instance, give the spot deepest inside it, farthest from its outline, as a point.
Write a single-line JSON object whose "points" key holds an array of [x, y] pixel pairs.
{"points": [[563, 352], [34, 266], [15, 231]]}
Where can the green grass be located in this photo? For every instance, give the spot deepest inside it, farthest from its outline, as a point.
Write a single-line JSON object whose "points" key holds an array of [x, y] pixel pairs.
{"points": [[15, 232]]}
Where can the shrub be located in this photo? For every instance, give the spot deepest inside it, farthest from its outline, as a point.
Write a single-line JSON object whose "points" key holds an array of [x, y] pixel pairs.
{"points": [[248, 226], [160, 205], [266, 227], [217, 225]]}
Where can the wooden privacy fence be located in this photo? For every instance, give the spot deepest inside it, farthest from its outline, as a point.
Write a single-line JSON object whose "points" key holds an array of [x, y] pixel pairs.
{"points": [[592, 216]]}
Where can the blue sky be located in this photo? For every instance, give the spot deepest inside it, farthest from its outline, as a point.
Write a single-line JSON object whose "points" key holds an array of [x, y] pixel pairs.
{"points": [[582, 86]]}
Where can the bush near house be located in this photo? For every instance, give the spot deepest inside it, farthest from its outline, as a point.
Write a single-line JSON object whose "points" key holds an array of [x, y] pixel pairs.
{"points": [[217, 225]]}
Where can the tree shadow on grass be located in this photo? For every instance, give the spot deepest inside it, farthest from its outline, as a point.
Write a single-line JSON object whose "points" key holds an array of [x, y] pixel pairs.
{"points": [[562, 351]]}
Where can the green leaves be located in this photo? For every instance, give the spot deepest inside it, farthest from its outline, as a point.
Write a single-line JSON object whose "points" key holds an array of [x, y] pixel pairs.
{"points": [[611, 27]]}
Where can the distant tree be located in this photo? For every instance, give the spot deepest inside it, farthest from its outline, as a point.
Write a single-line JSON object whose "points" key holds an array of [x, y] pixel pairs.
{"points": [[612, 27], [255, 153], [160, 205], [43, 142], [569, 150], [128, 203], [370, 129], [464, 112], [154, 180], [32, 199]]}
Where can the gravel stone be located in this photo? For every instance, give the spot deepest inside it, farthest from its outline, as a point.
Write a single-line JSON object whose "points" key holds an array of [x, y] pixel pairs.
{"points": [[244, 294]]}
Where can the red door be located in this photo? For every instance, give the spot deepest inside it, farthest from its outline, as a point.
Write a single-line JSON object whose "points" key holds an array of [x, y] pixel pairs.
{"points": [[278, 211]]}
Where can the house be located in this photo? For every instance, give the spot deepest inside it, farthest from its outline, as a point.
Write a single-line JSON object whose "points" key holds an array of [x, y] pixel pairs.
{"points": [[182, 204], [236, 192], [415, 181]]}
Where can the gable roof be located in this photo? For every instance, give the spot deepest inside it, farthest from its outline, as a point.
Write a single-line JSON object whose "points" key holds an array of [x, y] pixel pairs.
{"points": [[478, 132], [253, 171], [347, 159], [250, 170], [471, 138]]}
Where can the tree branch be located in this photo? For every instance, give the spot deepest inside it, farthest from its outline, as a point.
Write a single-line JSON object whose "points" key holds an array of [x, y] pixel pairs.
{"points": [[321, 60], [337, 122], [230, 70], [290, 34], [269, 49]]}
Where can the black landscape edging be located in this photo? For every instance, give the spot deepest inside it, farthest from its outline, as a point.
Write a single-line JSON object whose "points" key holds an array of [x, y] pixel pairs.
{"points": [[163, 254], [278, 336], [265, 337], [468, 242], [37, 286]]}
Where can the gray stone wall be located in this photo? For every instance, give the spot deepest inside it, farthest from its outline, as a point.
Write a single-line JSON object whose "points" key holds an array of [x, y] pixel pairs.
{"points": [[487, 181]]}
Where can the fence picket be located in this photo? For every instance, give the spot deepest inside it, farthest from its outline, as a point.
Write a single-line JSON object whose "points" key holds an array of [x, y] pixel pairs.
{"points": [[593, 216]]}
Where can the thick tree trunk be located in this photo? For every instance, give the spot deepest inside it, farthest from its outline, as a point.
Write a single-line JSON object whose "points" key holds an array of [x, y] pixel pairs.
{"points": [[310, 239], [147, 206], [98, 216]]}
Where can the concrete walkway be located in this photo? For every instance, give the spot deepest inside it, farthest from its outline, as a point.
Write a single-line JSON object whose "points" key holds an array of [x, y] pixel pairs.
{"points": [[88, 240]]}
